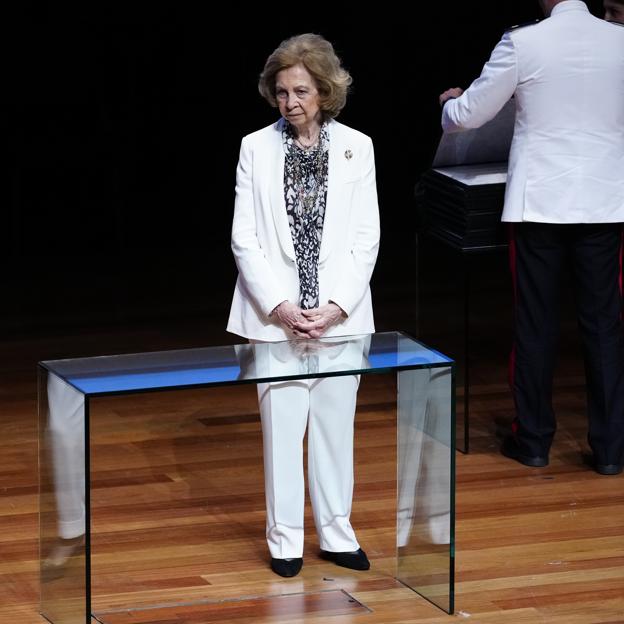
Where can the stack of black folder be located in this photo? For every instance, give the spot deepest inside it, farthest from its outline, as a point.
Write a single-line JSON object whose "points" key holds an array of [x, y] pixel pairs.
{"points": [[461, 213]]}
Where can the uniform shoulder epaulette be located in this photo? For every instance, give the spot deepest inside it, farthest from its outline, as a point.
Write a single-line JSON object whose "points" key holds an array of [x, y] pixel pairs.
{"points": [[524, 25]]}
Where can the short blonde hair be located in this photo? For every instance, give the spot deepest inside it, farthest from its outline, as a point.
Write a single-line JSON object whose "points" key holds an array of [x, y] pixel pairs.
{"points": [[317, 55]]}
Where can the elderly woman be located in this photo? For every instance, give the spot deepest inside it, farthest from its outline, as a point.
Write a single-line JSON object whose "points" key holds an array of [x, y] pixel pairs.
{"points": [[305, 238]]}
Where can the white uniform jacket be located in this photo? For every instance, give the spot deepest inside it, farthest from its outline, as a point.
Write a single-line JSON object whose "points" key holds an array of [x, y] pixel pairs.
{"points": [[567, 156], [262, 242]]}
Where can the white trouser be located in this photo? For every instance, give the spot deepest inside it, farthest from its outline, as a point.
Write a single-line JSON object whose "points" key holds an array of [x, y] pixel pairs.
{"points": [[327, 407], [66, 438]]}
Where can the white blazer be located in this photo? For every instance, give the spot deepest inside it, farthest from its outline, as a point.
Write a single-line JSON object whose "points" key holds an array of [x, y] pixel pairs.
{"points": [[567, 156], [262, 242]]}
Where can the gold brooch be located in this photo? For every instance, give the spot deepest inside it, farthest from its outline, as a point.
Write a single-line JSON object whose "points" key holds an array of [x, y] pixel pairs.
{"points": [[348, 154]]}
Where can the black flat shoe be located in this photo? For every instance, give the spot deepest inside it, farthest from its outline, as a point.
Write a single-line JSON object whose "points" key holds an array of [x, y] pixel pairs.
{"points": [[510, 449], [287, 567], [356, 560]]}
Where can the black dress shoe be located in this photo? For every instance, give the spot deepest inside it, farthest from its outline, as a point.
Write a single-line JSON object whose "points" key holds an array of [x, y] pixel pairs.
{"points": [[287, 567], [608, 469], [510, 449], [355, 560]]}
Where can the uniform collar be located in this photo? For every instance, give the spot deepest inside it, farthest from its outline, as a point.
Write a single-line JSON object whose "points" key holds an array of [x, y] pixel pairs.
{"points": [[569, 5]]}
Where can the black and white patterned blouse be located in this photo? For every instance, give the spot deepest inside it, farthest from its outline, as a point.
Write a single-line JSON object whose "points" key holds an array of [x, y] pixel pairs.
{"points": [[305, 192]]}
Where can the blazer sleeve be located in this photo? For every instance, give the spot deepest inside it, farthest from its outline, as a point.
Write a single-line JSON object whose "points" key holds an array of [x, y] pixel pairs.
{"points": [[258, 279], [356, 274], [488, 93]]}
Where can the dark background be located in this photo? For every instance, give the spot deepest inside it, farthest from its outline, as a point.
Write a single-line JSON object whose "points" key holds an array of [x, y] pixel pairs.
{"points": [[123, 132]]}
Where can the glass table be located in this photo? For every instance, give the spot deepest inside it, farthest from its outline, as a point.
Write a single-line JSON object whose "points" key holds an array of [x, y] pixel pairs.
{"points": [[425, 427]]}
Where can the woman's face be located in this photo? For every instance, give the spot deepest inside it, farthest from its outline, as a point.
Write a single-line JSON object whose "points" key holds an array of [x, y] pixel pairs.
{"points": [[297, 97]]}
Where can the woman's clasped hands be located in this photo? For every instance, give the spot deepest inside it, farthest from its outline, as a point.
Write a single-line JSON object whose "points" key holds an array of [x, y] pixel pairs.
{"points": [[308, 323]]}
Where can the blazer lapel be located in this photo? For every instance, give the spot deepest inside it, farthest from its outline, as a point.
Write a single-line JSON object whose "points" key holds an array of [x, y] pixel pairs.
{"points": [[278, 204], [338, 191]]}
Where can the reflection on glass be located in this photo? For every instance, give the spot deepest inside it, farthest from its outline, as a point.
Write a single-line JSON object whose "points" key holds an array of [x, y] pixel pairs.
{"points": [[269, 360], [62, 501], [425, 484]]}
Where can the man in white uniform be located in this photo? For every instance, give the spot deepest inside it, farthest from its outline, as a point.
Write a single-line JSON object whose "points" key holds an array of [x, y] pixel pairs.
{"points": [[565, 203]]}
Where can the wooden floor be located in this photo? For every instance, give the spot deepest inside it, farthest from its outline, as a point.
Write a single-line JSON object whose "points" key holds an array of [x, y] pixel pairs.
{"points": [[178, 510]]}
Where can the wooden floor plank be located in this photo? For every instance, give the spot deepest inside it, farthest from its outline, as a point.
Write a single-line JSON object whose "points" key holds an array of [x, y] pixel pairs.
{"points": [[324, 604]]}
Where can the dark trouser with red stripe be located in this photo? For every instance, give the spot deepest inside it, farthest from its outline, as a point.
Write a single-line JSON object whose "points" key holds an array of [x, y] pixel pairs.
{"points": [[539, 253]]}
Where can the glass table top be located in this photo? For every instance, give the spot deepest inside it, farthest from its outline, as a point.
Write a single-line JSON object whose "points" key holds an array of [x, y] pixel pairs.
{"points": [[246, 363]]}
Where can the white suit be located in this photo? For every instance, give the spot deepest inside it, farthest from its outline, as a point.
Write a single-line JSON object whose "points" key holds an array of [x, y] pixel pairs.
{"points": [[567, 156], [262, 242], [267, 275]]}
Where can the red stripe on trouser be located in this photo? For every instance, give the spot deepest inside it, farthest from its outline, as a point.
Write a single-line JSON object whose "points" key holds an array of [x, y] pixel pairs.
{"points": [[511, 232]]}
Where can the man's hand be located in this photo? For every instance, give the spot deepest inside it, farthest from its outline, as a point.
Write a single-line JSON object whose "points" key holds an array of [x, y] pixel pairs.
{"points": [[449, 94]]}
